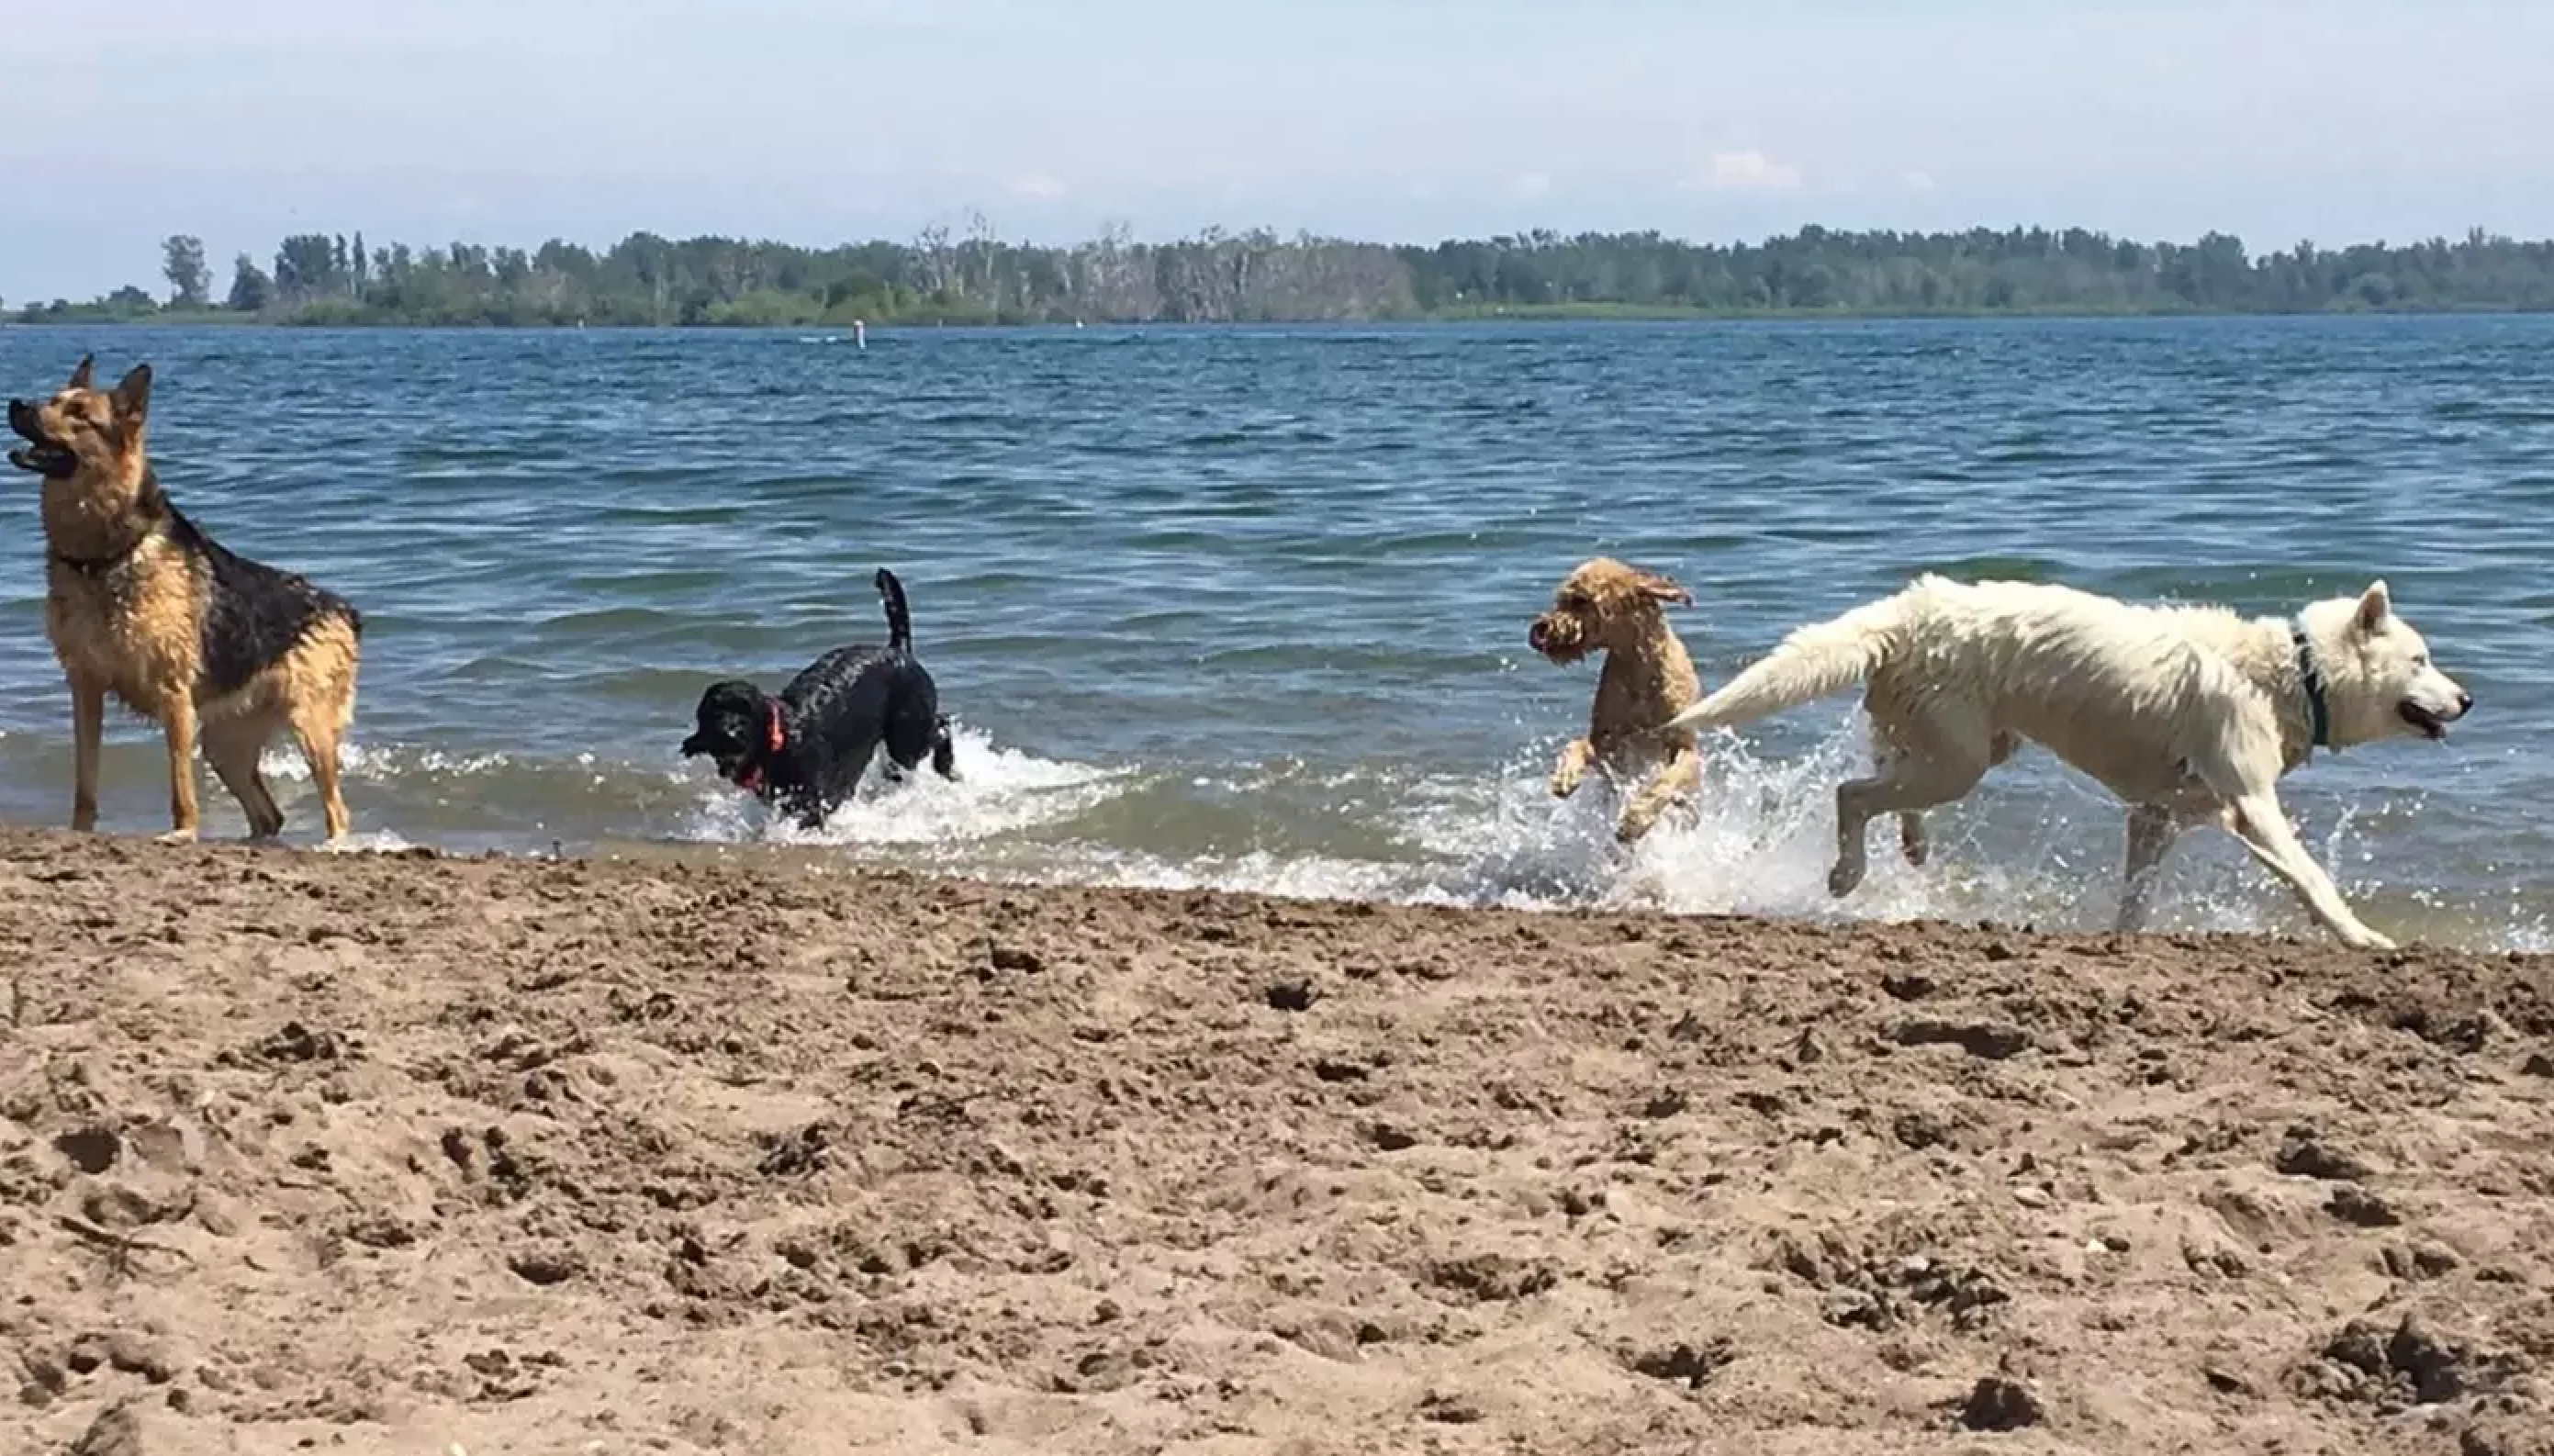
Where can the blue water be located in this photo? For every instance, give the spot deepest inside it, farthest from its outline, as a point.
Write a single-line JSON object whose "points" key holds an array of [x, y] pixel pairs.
{"points": [[1247, 607]]}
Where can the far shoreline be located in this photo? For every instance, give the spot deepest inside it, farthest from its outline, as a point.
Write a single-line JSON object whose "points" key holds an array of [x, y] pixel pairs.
{"points": [[1224, 276], [337, 322]]}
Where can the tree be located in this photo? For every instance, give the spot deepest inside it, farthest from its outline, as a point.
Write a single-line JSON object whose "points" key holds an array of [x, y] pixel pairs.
{"points": [[305, 267], [982, 250], [252, 291], [190, 283], [932, 245]]}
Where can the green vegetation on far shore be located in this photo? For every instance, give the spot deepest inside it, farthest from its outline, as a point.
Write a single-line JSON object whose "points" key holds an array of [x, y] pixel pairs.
{"points": [[970, 276]]}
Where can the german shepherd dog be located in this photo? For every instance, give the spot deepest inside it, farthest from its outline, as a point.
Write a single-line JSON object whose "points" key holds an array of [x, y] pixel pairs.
{"points": [[139, 602], [807, 748]]}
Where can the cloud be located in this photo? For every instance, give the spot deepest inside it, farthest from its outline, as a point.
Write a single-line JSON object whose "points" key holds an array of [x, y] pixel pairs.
{"points": [[1530, 186], [1750, 172], [1916, 182], [1041, 187]]}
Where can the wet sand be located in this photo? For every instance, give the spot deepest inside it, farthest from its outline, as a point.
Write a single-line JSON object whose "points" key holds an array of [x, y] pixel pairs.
{"points": [[396, 1154]]}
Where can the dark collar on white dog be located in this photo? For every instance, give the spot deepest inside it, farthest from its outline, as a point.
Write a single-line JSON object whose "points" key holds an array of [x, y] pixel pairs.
{"points": [[2310, 676]]}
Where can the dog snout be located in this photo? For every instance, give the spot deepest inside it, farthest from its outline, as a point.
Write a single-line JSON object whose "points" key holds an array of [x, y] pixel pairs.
{"points": [[22, 418], [1536, 634], [2464, 702]]}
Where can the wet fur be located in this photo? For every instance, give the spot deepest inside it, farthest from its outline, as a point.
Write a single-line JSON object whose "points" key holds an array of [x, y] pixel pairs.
{"points": [[1604, 606], [2189, 714], [142, 604], [831, 720]]}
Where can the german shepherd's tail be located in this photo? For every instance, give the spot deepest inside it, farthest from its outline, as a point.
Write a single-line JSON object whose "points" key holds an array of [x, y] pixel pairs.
{"points": [[899, 621], [1814, 661]]}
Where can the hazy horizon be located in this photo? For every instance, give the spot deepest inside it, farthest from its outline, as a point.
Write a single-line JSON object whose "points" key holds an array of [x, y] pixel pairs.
{"points": [[815, 123]]}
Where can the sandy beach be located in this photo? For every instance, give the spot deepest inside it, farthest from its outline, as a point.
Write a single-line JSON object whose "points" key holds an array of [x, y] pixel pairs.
{"points": [[406, 1153]]}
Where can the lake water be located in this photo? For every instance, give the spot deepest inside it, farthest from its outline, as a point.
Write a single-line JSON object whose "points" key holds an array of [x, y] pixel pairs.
{"points": [[1247, 608]]}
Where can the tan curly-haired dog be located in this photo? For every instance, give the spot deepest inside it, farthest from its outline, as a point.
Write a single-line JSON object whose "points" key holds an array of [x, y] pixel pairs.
{"points": [[1604, 606]]}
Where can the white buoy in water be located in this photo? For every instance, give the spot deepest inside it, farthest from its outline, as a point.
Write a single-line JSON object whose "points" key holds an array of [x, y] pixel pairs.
{"points": [[861, 333]]}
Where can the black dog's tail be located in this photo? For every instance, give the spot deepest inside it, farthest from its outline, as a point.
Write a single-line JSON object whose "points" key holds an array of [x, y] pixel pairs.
{"points": [[899, 621]]}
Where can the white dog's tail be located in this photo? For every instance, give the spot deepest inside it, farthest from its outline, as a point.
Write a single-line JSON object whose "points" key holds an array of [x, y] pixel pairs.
{"points": [[1814, 661]]}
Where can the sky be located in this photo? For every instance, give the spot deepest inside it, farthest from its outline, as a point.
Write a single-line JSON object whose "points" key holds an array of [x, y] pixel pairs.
{"points": [[819, 121]]}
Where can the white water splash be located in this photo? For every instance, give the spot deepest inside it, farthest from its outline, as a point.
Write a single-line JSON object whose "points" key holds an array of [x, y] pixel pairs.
{"points": [[999, 791], [382, 763], [367, 842], [2042, 848], [2034, 846]]}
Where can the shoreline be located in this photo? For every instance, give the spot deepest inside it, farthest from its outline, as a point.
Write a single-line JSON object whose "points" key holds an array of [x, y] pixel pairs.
{"points": [[413, 1150], [822, 862], [1553, 314]]}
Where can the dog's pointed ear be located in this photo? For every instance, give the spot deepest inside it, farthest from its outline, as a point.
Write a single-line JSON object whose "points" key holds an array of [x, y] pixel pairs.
{"points": [[80, 372], [1660, 589], [2374, 605], [131, 396]]}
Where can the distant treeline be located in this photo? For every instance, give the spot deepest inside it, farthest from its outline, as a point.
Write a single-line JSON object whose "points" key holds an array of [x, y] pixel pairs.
{"points": [[971, 275]]}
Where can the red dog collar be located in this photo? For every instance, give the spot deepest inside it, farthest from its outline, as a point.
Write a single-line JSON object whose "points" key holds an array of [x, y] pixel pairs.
{"points": [[774, 740]]}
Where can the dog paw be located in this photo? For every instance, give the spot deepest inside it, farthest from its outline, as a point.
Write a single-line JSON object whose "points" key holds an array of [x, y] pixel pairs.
{"points": [[178, 836], [1842, 879], [1913, 842], [1566, 782]]}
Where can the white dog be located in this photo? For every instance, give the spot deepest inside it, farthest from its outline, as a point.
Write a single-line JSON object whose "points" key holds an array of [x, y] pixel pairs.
{"points": [[2189, 714]]}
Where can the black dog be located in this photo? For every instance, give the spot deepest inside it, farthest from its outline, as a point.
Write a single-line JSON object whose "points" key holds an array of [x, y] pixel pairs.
{"points": [[807, 748]]}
